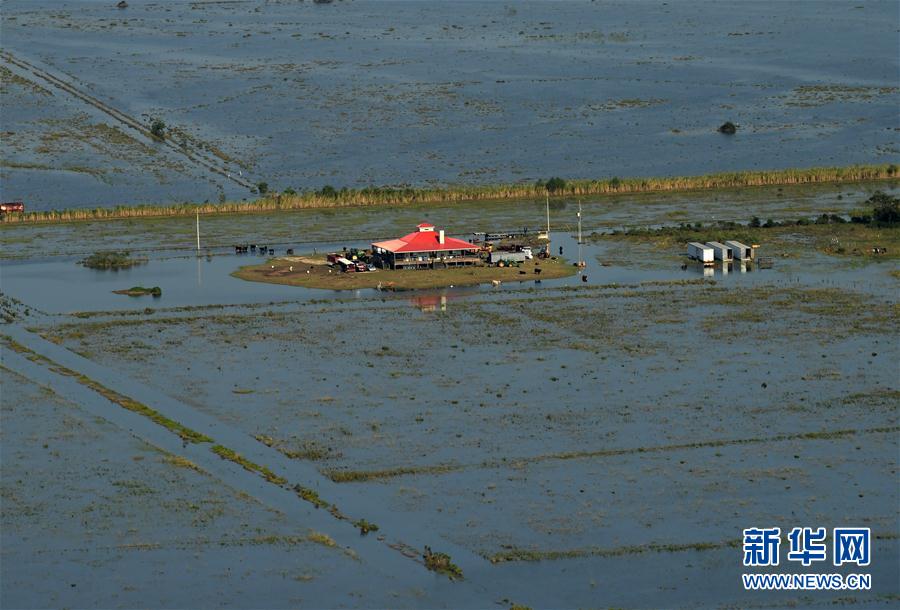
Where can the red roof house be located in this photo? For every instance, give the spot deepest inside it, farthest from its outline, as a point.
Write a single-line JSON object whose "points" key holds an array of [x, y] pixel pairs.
{"points": [[425, 248]]}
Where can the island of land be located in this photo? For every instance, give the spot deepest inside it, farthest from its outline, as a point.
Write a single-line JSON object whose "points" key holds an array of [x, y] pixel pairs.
{"points": [[314, 272]]}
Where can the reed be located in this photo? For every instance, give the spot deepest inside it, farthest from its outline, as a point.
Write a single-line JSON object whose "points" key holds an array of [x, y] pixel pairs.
{"points": [[329, 197]]}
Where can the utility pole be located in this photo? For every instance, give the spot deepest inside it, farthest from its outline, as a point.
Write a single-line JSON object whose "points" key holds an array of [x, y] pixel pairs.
{"points": [[198, 231], [580, 258], [548, 215]]}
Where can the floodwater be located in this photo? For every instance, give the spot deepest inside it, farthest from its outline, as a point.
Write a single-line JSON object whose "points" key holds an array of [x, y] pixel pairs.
{"points": [[372, 92], [598, 443], [200, 280], [566, 443]]}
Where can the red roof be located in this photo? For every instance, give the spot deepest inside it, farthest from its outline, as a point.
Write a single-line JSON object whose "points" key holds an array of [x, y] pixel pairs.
{"points": [[424, 240]]}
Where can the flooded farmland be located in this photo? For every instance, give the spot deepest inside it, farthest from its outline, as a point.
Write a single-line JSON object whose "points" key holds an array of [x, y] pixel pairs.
{"points": [[561, 442], [356, 93], [597, 430]]}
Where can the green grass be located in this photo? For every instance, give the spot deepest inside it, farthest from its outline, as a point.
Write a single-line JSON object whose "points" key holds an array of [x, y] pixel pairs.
{"points": [[191, 436], [550, 555], [111, 259], [139, 291], [442, 564], [355, 476], [311, 496], [365, 526], [228, 454]]}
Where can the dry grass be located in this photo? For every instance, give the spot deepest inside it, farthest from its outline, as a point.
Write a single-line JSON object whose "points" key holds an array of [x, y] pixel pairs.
{"points": [[381, 196]]}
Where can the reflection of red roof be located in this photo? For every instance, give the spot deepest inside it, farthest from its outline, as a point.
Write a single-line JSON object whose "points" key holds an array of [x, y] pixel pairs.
{"points": [[424, 241]]}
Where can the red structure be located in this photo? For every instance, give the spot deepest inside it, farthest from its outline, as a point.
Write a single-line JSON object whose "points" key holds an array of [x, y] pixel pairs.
{"points": [[12, 206], [425, 248]]}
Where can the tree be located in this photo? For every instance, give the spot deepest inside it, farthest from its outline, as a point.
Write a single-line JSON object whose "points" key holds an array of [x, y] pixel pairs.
{"points": [[328, 191], [555, 184], [885, 208], [262, 187], [158, 129]]}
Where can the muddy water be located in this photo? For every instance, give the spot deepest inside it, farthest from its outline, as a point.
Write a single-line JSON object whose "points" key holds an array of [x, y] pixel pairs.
{"points": [[370, 92], [589, 437], [586, 421], [64, 286]]}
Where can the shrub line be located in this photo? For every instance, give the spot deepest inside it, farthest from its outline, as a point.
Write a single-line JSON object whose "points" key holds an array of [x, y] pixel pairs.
{"points": [[329, 197]]}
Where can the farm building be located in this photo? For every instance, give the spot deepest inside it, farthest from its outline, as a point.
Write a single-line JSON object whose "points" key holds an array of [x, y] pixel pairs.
{"points": [[720, 251], [425, 248]]}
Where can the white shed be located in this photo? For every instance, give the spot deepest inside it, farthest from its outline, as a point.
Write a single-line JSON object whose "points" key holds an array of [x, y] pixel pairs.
{"points": [[740, 251], [721, 251], [699, 252]]}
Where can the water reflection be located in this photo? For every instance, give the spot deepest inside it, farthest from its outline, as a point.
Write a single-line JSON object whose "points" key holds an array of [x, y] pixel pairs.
{"points": [[720, 268], [430, 302]]}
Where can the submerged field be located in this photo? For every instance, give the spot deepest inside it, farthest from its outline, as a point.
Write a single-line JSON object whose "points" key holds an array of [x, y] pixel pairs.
{"points": [[564, 443], [302, 95]]}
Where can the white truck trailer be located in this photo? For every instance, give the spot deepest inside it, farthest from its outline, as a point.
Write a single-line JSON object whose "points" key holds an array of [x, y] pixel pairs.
{"points": [[721, 252], [739, 251], [507, 257], [700, 252]]}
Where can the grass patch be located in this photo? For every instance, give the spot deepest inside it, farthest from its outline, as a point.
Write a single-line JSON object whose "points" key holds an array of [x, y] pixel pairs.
{"points": [[139, 291], [355, 476], [442, 564], [323, 539], [311, 496], [516, 554], [191, 436], [349, 476], [181, 462], [309, 450], [112, 259], [227, 454], [365, 526]]}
